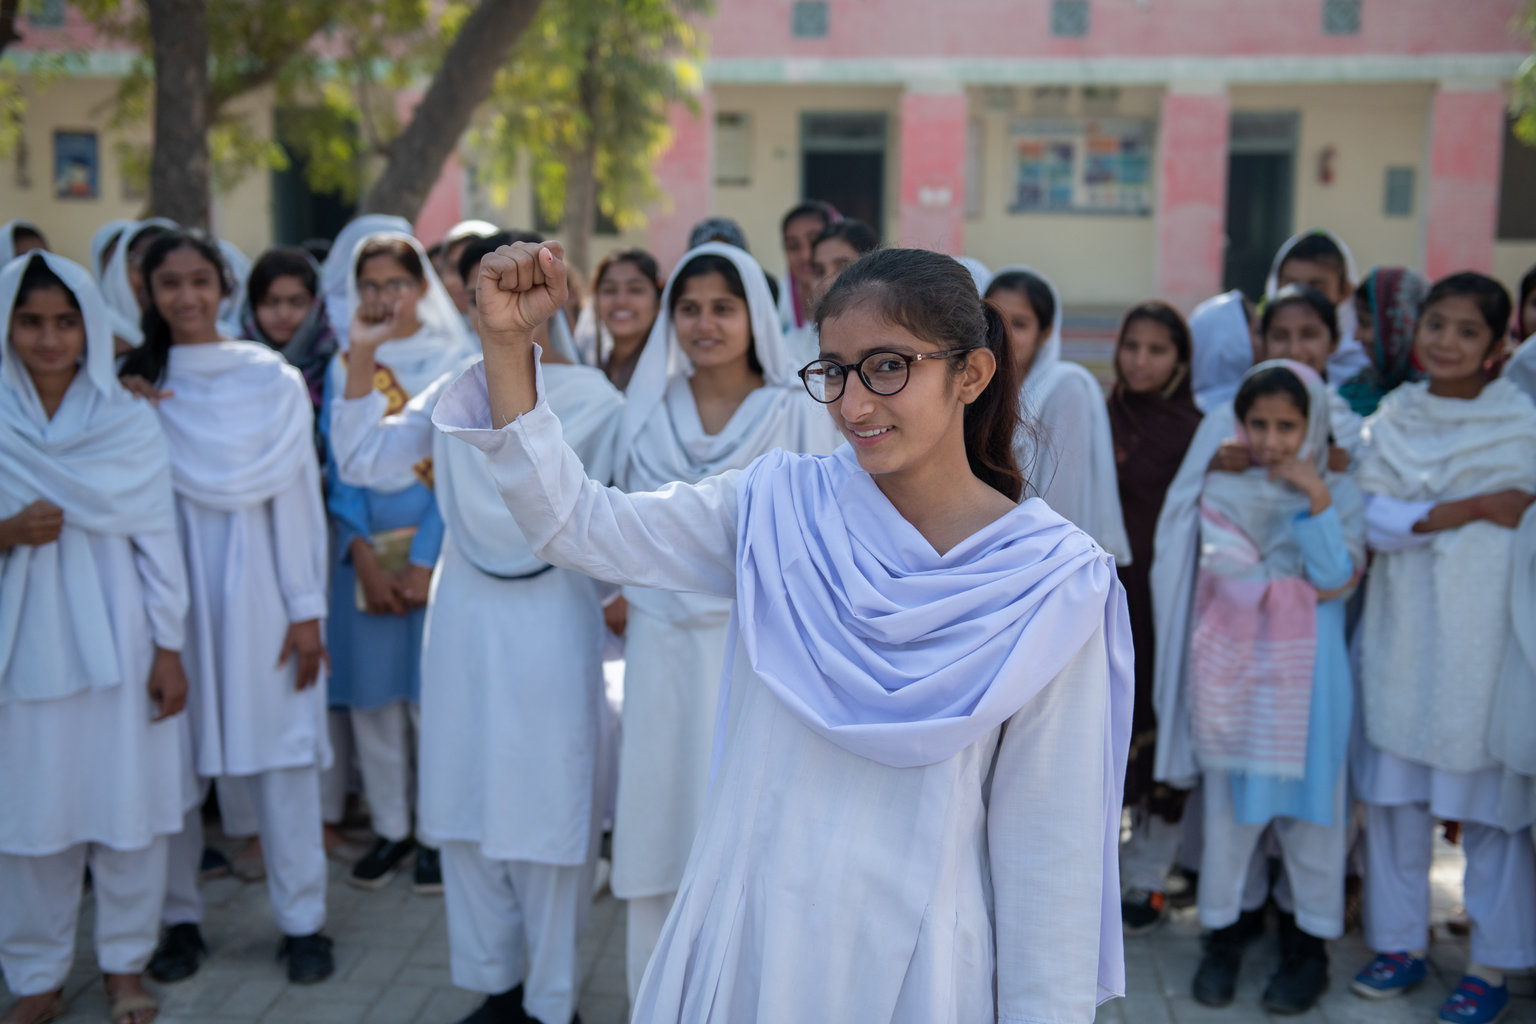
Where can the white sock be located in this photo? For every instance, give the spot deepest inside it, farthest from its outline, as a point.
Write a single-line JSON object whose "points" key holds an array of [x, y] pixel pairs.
{"points": [[1492, 975]]}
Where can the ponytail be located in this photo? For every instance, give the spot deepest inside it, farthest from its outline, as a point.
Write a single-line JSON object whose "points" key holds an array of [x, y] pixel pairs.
{"points": [[992, 420], [933, 297]]}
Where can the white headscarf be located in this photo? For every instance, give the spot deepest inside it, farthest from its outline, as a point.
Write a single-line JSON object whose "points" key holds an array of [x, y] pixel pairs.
{"points": [[238, 265], [1044, 372], [1223, 348], [979, 273], [337, 269], [102, 459], [8, 238], [103, 237], [442, 346], [122, 304], [469, 229], [1349, 358], [1521, 368]]}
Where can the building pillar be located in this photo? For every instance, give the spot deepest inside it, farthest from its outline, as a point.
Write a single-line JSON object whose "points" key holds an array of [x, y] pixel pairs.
{"points": [[1192, 192], [933, 153], [1466, 153], [686, 176]]}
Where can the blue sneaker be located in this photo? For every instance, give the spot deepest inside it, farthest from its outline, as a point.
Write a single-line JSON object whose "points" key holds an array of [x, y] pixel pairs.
{"points": [[1390, 974], [1475, 1002]]}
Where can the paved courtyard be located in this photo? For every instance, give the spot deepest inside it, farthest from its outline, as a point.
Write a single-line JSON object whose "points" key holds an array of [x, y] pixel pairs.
{"points": [[392, 967]]}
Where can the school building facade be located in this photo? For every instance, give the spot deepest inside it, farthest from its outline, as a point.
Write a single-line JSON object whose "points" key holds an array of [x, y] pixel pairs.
{"points": [[1129, 147]]}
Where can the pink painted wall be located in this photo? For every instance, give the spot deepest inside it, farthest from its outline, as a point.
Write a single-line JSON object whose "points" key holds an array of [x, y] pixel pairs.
{"points": [[444, 206], [1462, 205], [989, 28], [932, 155], [686, 174], [1192, 197]]}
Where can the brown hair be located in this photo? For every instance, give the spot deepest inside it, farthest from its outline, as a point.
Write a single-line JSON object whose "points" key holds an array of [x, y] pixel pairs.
{"points": [[397, 249], [933, 297]]}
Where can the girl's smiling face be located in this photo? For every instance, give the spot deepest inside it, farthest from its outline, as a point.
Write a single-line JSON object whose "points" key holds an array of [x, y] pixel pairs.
{"points": [[48, 333], [1297, 333], [1147, 357], [187, 289], [1452, 340], [712, 322], [627, 301], [1276, 429], [282, 310]]}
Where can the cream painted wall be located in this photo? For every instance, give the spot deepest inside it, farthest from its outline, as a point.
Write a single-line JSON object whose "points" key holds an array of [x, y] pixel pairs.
{"points": [[1091, 259], [1510, 262], [1371, 128], [85, 104], [775, 155]]}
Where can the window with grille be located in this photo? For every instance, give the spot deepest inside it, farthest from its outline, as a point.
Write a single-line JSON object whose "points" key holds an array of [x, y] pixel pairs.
{"points": [[1398, 198], [809, 19], [1341, 17], [1069, 17]]}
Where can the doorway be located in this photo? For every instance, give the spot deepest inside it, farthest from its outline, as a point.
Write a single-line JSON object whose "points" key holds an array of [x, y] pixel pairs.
{"points": [[298, 212], [843, 163], [1261, 187]]}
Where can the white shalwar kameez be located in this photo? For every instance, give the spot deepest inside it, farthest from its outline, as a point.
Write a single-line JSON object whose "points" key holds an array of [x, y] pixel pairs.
{"points": [[253, 530], [675, 642], [1064, 447], [1447, 676], [905, 824], [511, 699], [90, 780]]}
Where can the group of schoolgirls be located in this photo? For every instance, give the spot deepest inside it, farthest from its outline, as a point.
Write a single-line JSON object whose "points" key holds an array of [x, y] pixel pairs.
{"points": [[1325, 497]]}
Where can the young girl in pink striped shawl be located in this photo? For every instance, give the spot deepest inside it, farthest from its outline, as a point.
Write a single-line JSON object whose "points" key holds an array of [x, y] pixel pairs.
{"points": [[1281, 545]]}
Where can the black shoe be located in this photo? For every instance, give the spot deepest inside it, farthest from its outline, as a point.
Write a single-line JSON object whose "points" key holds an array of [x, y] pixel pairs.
{"points": [[213, 865], [380, 863], [1182, 888], [428, 877], [180, 952], [309, 958], [1141, 911], [502, 1008], [1216, 979], [1303, 975]]}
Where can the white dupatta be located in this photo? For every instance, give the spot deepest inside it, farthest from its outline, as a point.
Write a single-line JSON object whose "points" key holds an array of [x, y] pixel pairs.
{"points": [[102, 459], [104, 236], [1084, 488], [1223, 348], [8, 238], [117, 289], [662, 440], [238, 265], [336, 271]]}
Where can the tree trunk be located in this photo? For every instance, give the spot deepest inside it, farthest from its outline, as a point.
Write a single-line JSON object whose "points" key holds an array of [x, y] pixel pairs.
{"points": [[178, 174], [9, 9], [579, 220], [463, 80]]}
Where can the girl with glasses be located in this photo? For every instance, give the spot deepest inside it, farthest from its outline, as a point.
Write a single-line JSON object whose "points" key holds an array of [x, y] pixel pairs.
{"points": [[920, 745]]}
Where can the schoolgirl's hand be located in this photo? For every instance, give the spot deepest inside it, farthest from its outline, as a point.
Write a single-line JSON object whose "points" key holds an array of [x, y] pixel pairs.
{"points": [[1505, 508], [39, 523], [520, 287], [1303, 476], [303, 643], [1338, 459], [1231, 457], [167, 684], [138, 387], [374, 322], [413, 583]]}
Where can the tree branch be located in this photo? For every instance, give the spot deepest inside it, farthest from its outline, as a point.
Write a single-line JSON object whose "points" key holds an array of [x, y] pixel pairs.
{"points": [[9, 11]]}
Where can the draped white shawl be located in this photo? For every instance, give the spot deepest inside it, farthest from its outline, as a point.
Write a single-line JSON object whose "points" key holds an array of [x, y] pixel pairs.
{"points": [[472, 504], [122, 303], [1521, 368], [906, 657], [1438, 615], [1223, 348], [336, 272], [8, 238], [662, 440], [238, 265], [239, 426], [102, 459], [1349, 358], [441, 347], [103, 237], [1089, 461]]}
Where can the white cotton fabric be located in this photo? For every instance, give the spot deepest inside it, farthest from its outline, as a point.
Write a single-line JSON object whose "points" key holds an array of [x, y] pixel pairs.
{"points": [[1350, 357], [103, 237], [979, 272], [1223, 349], [122, 303], [238, 266], [8, 238], [1072, 463], [508, 757], [441, 347], [1521, 368], [1438, 616], [1002, 845], [336, 273], [239, 427], [102, 460]]}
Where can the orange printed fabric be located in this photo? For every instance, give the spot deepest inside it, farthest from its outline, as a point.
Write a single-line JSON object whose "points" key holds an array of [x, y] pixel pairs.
{"points": [[395, 396]]}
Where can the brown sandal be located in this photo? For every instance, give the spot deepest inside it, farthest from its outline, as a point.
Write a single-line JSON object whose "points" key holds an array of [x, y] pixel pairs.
{"points": [[124, 1008]]}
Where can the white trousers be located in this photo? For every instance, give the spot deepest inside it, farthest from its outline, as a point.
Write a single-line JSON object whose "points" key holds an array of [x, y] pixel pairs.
{"points": [[1313, 856], [505, 915], [644, 920], [386, 753], [287, 803], [41, 901], [1499, 887]]}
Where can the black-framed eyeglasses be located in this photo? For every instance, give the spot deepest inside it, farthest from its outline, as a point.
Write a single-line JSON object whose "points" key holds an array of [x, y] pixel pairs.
{"points": [[884, 373]]}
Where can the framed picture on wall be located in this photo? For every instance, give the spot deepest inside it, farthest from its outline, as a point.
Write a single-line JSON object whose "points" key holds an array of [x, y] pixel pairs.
{"points": [[76, 165]]}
